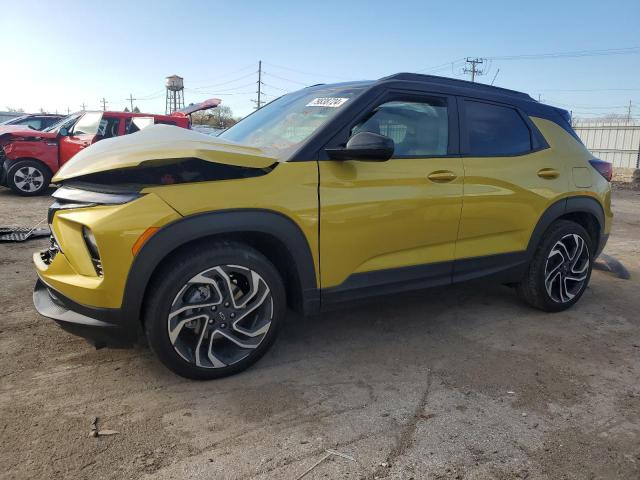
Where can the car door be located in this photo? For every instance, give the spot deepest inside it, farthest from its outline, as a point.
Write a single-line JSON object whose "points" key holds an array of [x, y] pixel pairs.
{"points": [[81, 135], [511, 177], [389, 225]]}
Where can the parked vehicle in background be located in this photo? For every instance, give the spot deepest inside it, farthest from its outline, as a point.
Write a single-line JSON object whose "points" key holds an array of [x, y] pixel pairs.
{"points": [[326, 195], [29, 159], [35, 122]]}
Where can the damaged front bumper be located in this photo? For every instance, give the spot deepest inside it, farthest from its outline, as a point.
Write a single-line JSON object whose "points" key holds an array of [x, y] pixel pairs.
{"points": [[100, 326]]}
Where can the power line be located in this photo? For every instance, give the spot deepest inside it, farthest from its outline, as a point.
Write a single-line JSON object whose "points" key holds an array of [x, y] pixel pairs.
{"points": [[589, 90], [151, 96], [233, 89], [222, 75], [578, 53], [227, 82], [277, 88], [306, 84], [303, 72], [442, 66]]}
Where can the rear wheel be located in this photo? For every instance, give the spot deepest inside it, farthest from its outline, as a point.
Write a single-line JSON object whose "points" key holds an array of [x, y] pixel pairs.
{"points": [[216, 312], [28, 178], [560, 269]]}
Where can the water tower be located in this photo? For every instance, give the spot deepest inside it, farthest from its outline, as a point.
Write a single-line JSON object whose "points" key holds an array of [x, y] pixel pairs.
{"points": [[175, 93]]}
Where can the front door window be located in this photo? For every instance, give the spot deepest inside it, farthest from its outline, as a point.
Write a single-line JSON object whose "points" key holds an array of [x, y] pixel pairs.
{"points": [[418, 129]]}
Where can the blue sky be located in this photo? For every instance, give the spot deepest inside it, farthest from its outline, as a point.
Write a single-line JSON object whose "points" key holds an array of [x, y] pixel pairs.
{"points": [[70, 52]]}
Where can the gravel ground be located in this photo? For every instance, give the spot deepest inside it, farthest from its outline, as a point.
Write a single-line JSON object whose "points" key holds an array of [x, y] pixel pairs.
{"points": [[463, 383]]}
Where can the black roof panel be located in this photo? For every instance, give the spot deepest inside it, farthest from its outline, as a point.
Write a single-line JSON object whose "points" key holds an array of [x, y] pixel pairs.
{"points": [[454, 82]]}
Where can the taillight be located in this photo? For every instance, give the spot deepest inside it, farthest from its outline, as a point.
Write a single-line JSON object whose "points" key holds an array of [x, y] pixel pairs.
{"points": [[604, 168]]}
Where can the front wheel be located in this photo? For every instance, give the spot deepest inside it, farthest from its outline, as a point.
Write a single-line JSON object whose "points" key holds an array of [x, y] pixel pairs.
{"points": [[216, 312], [560, 269], [28, 178]]}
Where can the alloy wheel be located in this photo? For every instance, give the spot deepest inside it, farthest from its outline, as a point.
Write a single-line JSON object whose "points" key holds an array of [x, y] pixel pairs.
{"points": [[220, 316], [28, 179], [567, 268]]}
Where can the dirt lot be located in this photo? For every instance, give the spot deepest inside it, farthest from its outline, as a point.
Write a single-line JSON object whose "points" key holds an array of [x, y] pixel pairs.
{"points": [[464, 382]]}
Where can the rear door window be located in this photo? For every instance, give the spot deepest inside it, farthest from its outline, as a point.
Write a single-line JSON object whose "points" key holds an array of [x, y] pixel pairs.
{"points": [[494, 130]]}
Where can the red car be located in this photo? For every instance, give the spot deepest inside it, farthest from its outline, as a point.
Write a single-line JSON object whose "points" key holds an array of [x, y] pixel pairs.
{"points": [[30, 158]]}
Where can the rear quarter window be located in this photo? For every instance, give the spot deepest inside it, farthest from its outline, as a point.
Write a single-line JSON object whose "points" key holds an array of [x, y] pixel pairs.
{"points": [[494, 130]]}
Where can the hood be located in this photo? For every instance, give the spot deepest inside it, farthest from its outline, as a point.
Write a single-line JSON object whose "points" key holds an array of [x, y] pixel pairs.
{"points": [[206, 105], [22, 131], [157, 144]]}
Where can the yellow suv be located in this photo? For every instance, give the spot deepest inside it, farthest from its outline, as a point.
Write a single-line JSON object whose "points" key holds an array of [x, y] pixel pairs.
{"points": [[326, 195]]}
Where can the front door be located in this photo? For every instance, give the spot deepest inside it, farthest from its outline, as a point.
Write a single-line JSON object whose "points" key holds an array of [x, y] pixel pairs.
{"points": [[385, 226], [81, 135]]}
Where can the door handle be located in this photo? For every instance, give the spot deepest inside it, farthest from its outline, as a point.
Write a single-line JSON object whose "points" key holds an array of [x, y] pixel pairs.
{"points": [[548, 173], [442, 176]]}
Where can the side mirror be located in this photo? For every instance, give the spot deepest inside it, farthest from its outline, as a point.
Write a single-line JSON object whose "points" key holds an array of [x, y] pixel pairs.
{"points": [[364, 146], [63, 132]]}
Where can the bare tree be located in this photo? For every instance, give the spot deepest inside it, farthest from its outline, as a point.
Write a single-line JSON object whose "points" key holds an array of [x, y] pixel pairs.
{"points": [[219, 117]]}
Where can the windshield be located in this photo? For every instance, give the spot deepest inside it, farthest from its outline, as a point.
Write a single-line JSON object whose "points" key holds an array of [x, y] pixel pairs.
{"points": [[13, 121], [280, 127], [65, 122]]}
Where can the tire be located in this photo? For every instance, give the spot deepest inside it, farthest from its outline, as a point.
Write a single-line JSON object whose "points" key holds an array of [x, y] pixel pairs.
{"points": [[560, 269], [28, 178], [201, 342]]}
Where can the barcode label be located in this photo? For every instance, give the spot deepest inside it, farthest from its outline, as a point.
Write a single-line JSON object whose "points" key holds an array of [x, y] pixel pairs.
{"points": [[333, 102]]}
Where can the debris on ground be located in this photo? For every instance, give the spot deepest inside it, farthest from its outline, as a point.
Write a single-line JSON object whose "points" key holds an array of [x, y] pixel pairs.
{"points": [[607, 263], [94, 432], [20, 234], [329, 454]]}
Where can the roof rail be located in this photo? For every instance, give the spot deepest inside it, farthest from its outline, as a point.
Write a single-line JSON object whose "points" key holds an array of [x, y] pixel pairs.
{"points": [[418, 77]]}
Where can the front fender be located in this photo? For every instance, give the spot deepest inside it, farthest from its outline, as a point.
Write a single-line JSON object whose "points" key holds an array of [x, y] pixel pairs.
{"points": [[199, 226]]}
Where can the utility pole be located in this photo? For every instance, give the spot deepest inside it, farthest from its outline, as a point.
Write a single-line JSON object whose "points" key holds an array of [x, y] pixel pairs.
{"points": [[83, 106], [259, 82], [629, 112], [68, 110], [104, 104], [131, 99], [473, 70]]}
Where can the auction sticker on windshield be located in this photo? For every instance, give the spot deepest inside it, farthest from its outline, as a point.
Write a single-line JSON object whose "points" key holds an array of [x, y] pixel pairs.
{"points": [[333, 102]]}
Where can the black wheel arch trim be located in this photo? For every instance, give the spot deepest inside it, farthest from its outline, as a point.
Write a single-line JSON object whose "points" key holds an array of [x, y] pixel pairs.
{"points": [[199, 226], [578, 204]]}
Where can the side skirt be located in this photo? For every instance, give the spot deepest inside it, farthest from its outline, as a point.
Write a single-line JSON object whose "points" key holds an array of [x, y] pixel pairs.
{"points": [[502, 268]]}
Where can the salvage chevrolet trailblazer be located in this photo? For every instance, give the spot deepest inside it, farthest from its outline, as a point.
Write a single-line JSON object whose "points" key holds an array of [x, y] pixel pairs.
{"points": [[326, 195]]}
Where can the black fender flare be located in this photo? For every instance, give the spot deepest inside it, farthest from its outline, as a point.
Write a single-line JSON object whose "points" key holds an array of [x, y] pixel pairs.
{"points": [[198, 226], [579, 204]]}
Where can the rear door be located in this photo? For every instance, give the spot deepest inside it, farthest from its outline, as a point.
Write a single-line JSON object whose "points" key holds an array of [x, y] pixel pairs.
{"points": [[82, 134], [511, 177], [388, 224]]}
